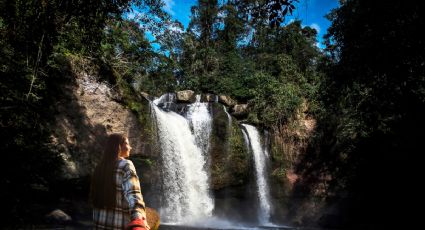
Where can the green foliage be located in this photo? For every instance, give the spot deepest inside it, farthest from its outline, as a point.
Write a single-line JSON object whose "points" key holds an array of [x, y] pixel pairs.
{"points": [[279, 173], [160, 78], [126, 52], [371, 123], [36, 37], [200, 61], [125, 42], [274, 101], [273, 11], [372, 91], [238, 158], [143, 162], [234, 28], [277, 97], [292, 40]]}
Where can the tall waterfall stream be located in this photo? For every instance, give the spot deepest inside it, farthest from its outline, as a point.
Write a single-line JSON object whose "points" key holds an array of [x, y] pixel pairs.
{"points": [[185, 187], [260, 158]]}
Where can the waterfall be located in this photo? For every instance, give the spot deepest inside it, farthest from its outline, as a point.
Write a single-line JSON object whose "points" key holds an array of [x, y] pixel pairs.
{"points": [[229, 118], [185, 187], [229, 129], [253, 138], [200, 120], [266, 143], [166, 101]]}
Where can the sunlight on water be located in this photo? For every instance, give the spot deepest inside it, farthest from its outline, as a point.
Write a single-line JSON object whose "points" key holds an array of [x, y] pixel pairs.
{"points": [[223, 225], [185, 181], [217, 223]]}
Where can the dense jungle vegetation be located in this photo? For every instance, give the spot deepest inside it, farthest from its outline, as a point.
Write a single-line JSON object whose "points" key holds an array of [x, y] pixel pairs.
{"points": [[366, 88]]}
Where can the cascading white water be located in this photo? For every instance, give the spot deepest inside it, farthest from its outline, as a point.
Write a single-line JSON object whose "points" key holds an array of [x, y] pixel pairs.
{"points": [[229, 129], [186, 190], [260, 158], [165, 100], [229, 118], [200, 120], [266, 146], [245, 137]]}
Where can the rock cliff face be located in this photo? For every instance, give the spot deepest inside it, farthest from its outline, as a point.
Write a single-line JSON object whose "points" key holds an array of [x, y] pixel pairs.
{"points": [[289, 144], [229, 155], [87, 111]]}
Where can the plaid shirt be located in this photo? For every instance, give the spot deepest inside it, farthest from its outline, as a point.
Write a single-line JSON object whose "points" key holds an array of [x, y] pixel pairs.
{"points": [[129, 200]]}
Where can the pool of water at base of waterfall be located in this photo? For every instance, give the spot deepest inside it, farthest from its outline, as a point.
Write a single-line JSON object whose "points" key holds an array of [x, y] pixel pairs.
{"points": [[88, 225], [180, 227]]}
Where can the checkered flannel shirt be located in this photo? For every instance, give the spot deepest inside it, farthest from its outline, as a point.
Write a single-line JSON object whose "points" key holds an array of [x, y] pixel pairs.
{"points": [[129, 200]]}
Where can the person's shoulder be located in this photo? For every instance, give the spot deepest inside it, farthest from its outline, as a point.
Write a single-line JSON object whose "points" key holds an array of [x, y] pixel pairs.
{"points": [[125, 164]]}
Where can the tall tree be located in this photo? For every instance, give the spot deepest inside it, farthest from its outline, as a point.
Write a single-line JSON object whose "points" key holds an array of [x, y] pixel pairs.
{"points": [[203, 28], [232, 67], [273, 11]]}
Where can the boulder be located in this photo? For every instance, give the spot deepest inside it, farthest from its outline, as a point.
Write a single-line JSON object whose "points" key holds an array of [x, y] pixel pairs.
{"points": [[187, 96], [58, 216], [152, 217], [240, 110], [209, 97], [226, 100], [147, 96]]}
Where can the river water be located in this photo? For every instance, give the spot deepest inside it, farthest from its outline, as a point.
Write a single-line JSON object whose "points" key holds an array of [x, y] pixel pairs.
{"points": [[175, 227]]}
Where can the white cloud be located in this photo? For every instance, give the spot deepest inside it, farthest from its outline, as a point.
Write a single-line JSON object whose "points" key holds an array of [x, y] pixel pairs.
{"points": [[316, 27], [168, 6]]}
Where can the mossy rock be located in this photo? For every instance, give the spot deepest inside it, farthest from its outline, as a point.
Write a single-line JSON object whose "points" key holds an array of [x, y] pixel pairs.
{"points": [[152, 217]]}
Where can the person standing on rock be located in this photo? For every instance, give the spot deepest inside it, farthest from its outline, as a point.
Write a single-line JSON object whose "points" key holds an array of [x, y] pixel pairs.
{"points": [[115, 189]]}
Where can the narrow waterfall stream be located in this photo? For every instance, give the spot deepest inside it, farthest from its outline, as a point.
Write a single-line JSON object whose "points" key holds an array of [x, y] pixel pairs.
{"points": [[260, 157], [186, 197], [229, 118]]}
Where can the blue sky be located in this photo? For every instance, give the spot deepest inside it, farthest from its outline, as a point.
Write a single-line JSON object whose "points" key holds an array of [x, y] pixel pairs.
{"points": [[310, 12]]}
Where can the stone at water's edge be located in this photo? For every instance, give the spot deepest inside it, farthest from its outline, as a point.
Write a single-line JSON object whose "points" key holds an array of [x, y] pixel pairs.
{"points": [[227, 100], [152, 218], [186, 96], [58, 217]]}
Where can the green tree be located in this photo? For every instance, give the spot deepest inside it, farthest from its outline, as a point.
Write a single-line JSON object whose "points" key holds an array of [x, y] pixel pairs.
{"points": [[273, 11], [202, 35], [286, 55], [276, 96], [233, 68], [126, 49]]}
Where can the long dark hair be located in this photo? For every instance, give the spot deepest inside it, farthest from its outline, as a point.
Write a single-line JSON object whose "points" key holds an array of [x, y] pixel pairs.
{"points": [[103, 188]]}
